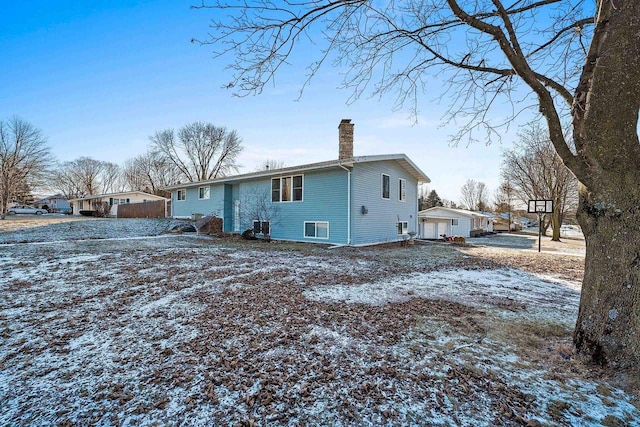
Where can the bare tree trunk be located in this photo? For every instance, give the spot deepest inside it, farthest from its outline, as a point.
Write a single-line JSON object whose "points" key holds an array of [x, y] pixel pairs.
{"points": [[605, 125], [556, 222], [609, 316]]}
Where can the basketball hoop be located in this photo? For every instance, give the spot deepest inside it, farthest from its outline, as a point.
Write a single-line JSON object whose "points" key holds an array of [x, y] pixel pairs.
{"points": [[540, 207]]}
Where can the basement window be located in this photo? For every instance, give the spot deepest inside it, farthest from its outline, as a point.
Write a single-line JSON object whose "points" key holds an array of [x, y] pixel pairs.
{"points": [[316, 229]]}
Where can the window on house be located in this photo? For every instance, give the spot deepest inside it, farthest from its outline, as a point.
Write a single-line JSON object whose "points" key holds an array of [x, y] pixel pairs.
{"points": [[261, 227], [203, 192], [113, 201], [402, 190], [403, 227], [385, 186], [275, 190], [454, 221], [287, 189], [297, 187], [182, 194], [316, 229]]}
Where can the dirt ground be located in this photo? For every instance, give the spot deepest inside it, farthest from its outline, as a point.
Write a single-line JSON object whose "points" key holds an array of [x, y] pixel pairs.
{"points": [[100, 325]]}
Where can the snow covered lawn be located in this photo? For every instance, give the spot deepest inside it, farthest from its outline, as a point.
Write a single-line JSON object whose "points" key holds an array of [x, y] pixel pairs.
{"points": [[190, 330]]}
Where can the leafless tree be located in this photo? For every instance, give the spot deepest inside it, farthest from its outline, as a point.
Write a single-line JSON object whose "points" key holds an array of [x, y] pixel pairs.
{"points": [[504, 199], [474, 195], [269, 164], [450, 204], [64, 182], [24, 158], [537, 172], [256, 205], [150, 172], [468, 194], [200, 151], [573, 59], [112, 178], [86, 176]]}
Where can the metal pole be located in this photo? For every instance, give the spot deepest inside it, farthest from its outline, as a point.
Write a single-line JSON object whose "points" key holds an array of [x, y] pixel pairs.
{"points": [[539, 231]]}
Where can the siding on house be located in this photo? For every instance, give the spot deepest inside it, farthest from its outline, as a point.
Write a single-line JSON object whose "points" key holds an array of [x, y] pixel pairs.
{"points": [[192, 205], [379, 224], [324, 199], [463, 228]]}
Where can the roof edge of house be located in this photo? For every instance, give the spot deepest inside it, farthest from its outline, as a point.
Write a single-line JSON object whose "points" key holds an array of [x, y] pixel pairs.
{"points": [[417, 173]]}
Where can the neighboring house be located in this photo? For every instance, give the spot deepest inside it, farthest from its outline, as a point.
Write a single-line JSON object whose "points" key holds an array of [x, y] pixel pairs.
{"points": [[491, 221], [90, 203], [349, 201], [502, 221], [55, 203], [439, 220]]}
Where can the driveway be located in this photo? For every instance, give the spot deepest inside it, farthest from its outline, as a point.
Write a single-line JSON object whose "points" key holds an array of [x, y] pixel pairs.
{"points": [[528, 241]]}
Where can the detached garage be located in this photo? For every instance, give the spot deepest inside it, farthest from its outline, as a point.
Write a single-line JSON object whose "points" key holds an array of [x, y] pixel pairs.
{"points": [[435, 222]]}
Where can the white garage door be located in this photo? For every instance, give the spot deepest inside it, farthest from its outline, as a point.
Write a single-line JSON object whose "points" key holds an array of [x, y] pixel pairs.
{"points": [[433, 230], [428, 230]]}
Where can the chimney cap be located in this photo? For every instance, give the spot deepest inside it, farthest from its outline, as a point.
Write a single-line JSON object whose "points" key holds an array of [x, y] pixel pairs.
{"points": [[345, 121]]}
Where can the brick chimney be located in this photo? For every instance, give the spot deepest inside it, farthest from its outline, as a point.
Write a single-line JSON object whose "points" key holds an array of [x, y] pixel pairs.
{"points": [[345, 139]]}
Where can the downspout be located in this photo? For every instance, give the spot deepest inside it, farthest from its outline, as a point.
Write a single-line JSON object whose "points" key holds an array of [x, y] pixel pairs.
{"points": [[418, 231], [348, 204]]}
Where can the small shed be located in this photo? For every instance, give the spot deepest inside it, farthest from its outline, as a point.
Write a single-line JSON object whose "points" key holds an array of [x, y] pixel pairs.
{"points": [[436, 221]]}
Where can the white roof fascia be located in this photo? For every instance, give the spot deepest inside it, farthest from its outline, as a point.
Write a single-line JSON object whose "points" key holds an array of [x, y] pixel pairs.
{"points": [[401, 158], [436, 217], [450, 210]]}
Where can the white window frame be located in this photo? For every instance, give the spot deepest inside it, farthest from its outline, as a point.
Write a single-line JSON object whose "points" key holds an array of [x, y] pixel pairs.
{"points": [[455, 222], [402, 189], [184, 191], [304, 230], [207, 191], [280, 181], [404, 228], [382, 187]]}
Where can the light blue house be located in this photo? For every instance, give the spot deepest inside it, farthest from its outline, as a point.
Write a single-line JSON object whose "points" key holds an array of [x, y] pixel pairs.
{"points": [[349, 201]]}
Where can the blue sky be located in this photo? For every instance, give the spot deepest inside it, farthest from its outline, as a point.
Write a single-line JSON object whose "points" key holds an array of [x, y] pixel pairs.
{"points": [[99, 77]]}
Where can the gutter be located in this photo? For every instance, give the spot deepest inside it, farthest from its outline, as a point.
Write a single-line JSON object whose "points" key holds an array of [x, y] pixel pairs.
{"points": [[348, 203]]}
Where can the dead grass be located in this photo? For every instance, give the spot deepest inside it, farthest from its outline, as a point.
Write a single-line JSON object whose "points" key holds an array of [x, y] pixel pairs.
{"points": [[562, 266], [218, 331]]}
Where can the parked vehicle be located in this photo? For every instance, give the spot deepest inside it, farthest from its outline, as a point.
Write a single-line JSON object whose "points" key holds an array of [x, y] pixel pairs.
{"points": [[26, 210]]}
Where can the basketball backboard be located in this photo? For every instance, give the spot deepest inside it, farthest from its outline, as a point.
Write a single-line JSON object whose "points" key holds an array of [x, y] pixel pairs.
{"points": [[540, 206]]}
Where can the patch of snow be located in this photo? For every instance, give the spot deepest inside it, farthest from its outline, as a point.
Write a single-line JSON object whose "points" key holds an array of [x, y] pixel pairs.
{"points": [[479, 288]]}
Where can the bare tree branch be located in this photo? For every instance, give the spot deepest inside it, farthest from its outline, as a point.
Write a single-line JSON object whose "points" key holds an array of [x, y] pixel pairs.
{"points": [[201, 151]]}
